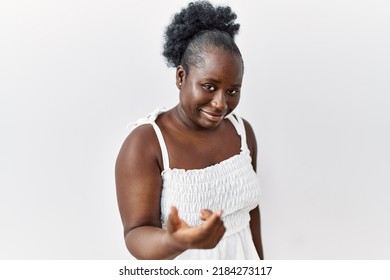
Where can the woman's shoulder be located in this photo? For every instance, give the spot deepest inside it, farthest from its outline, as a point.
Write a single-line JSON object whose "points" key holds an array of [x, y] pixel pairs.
{"points": [[142, 136], [251, 141], [250, 135], [248, 129], [142, 131], [141, 144]]}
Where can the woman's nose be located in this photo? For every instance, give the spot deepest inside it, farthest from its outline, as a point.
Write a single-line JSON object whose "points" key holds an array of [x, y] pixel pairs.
{"points": [[219, 101]]}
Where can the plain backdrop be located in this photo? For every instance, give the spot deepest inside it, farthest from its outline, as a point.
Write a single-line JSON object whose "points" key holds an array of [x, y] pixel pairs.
{"points": [[316, 90]]}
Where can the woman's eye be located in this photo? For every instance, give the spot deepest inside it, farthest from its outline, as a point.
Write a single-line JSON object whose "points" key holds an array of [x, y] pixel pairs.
{"points": [[233, 91], [209, 87]]}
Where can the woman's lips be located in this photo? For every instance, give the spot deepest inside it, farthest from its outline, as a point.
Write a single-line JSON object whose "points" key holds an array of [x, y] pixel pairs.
{"points": [[214, 117]]}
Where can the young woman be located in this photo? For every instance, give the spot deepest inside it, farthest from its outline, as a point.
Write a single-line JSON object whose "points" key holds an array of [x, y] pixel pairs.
{"points": [[186, 181]]}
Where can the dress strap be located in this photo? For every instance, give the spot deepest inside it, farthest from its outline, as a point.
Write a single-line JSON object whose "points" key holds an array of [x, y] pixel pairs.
{"points": [[163, 147], [238, 124], [151, 119]]}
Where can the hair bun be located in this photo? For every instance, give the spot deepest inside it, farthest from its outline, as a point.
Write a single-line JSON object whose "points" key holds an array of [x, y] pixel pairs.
{"points": [[196, 17]]}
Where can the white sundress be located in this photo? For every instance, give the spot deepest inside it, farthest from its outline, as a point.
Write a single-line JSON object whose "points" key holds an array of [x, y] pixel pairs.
{"points": [[231, 185]]}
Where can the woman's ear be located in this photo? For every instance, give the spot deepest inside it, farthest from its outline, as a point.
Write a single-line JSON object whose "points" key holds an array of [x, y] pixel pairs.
{"points": [[180, 76]]}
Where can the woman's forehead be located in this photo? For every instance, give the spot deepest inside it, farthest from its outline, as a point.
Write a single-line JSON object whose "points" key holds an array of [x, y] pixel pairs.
{"points": [[219, 63]]}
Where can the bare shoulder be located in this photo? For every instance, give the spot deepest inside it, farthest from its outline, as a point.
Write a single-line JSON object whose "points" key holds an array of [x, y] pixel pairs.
{"points": [[250, 134], [141, 143], [138, 134], [251, 142]]}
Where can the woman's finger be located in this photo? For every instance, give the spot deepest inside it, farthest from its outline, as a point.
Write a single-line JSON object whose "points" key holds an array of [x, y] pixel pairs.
{"points": [[173, 220]]}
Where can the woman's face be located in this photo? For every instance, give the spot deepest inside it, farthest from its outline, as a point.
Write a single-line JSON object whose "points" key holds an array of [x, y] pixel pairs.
{"points": [[211, 90]]}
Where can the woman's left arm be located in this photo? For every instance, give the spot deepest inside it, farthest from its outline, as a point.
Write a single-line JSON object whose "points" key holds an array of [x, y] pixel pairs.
{"points": [[255, 226], [255, 223]]}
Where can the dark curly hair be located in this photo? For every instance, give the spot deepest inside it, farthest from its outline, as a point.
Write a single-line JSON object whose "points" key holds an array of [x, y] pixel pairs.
{"points": [[196, 27]]}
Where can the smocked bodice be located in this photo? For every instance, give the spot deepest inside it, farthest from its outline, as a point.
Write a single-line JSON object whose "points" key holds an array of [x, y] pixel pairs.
{"points": [[231, 186]]}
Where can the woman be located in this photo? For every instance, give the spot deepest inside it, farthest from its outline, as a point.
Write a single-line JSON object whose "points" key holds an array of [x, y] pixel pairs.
{"points": [[186, 181]]}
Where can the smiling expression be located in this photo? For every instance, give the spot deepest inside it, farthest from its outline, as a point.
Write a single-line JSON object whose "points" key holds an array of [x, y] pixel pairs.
{"points": [[211, 90]]}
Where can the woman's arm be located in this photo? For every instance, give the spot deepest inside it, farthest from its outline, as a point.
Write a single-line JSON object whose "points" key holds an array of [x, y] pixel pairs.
{"points": [[138, 184], [255, 223]]}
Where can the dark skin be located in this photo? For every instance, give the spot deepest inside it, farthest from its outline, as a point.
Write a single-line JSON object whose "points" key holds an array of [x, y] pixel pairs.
{"points": [[197, 136]]}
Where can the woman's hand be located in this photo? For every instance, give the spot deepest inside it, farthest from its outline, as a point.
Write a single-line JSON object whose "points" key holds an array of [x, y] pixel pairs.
{"points": [[205, 236]]}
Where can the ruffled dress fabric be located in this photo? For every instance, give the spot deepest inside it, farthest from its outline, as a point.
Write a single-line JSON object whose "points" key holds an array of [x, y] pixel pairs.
{"points": [[231, 185]]}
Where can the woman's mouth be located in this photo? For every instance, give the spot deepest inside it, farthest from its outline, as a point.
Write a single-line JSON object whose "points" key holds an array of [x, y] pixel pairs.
{"points": [[214, 117]]}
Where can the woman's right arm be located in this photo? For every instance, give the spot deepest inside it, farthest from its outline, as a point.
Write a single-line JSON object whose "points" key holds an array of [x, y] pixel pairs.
{"points": [[138, 186], [138, 183]]}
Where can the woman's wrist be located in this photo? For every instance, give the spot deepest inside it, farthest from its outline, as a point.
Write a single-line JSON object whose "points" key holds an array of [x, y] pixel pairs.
{"points": [[173, 245]]}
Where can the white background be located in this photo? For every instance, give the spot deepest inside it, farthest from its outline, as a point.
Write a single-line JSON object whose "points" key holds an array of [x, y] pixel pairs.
{"points": [[316, 91]]}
